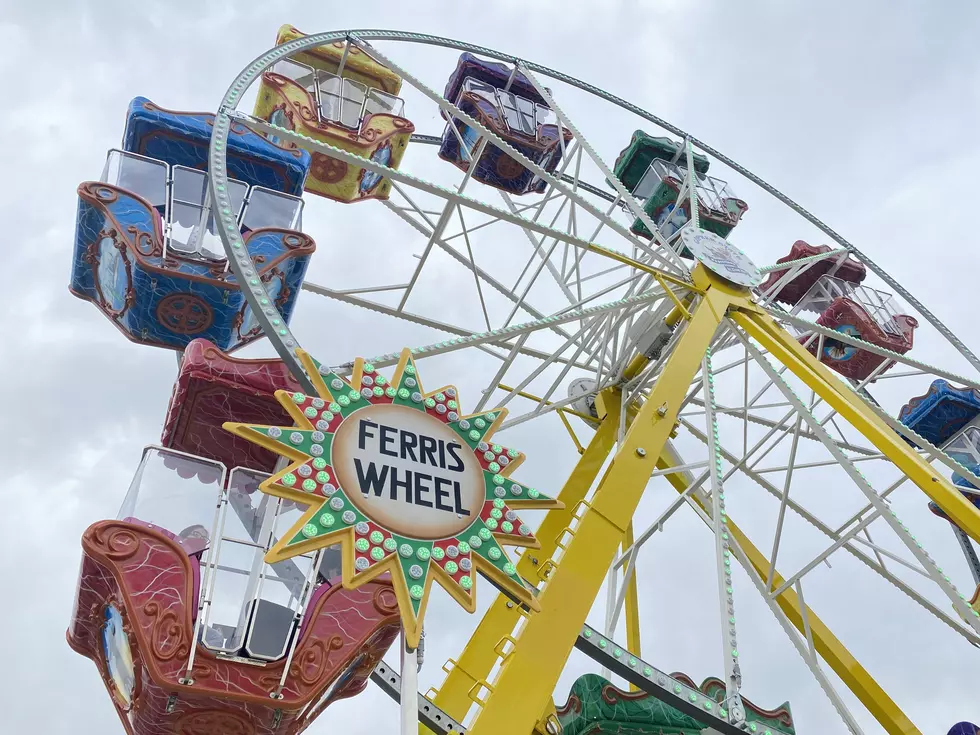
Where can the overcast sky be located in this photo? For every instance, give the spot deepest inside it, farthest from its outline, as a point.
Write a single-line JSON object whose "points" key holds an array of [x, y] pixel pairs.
{"points": [[864, 112]]}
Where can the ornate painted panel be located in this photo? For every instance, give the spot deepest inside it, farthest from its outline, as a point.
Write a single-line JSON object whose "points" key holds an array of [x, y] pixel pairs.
{"points": [[941, 411], [182, 139], [146, 251], [168, 300], [719, 209], [355, 112], [794, 290], [849, 317], [133, 618], [212, 388], [518, 115], [595, 707]]}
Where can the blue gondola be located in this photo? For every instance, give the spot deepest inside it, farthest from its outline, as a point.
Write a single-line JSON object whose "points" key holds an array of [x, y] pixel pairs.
{"points": [[941, 412], [146, 252]]}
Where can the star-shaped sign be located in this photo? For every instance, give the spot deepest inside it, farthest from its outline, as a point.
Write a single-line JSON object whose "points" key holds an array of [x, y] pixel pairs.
{"points": [[403, 481]]}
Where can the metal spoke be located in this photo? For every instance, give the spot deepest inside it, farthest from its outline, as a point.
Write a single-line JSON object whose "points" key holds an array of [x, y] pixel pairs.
{"points": [[880, 506], [600, 344], [456, 113]]}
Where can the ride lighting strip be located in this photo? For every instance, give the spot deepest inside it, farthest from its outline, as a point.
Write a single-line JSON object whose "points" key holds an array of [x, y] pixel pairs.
{"points": [[656, 683]]}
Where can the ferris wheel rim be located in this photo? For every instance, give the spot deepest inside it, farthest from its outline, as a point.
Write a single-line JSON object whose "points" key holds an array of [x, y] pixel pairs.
{"points": [[278, 333]]}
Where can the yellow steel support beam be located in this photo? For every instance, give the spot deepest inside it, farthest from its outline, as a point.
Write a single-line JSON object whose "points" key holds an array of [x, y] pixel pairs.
{"points": [[673, 297], [529, 674], [632, 604], [781, 345], [571, 431], [532, 666], [532, 397], [481, 652], [848, 668]]}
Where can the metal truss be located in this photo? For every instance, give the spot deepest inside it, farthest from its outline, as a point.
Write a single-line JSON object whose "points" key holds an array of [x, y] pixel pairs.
{"points": [[583, 281]]}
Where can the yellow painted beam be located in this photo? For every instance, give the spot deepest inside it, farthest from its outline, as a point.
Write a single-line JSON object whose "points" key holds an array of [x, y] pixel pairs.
{"points": [[835, 653], [781, 345], [528, 676], [479, 656], [632, 604], [532, 397]]}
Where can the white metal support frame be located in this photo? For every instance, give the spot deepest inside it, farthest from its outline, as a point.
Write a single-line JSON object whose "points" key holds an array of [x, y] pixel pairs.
{"points": [[519, 341], [409, 686], [668, 262], [880, 506], [849, 547], [621, 190], [804, 648]]}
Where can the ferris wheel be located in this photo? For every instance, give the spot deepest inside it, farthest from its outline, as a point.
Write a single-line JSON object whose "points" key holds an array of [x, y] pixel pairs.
{"points": [[595, 292]]}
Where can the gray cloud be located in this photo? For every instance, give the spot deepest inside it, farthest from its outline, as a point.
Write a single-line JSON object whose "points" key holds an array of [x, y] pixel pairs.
{"points": [[866, 113]]}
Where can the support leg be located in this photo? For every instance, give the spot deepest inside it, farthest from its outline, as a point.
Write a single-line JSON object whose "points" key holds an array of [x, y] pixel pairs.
{"points": [[528, 676], [479, 657]]}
